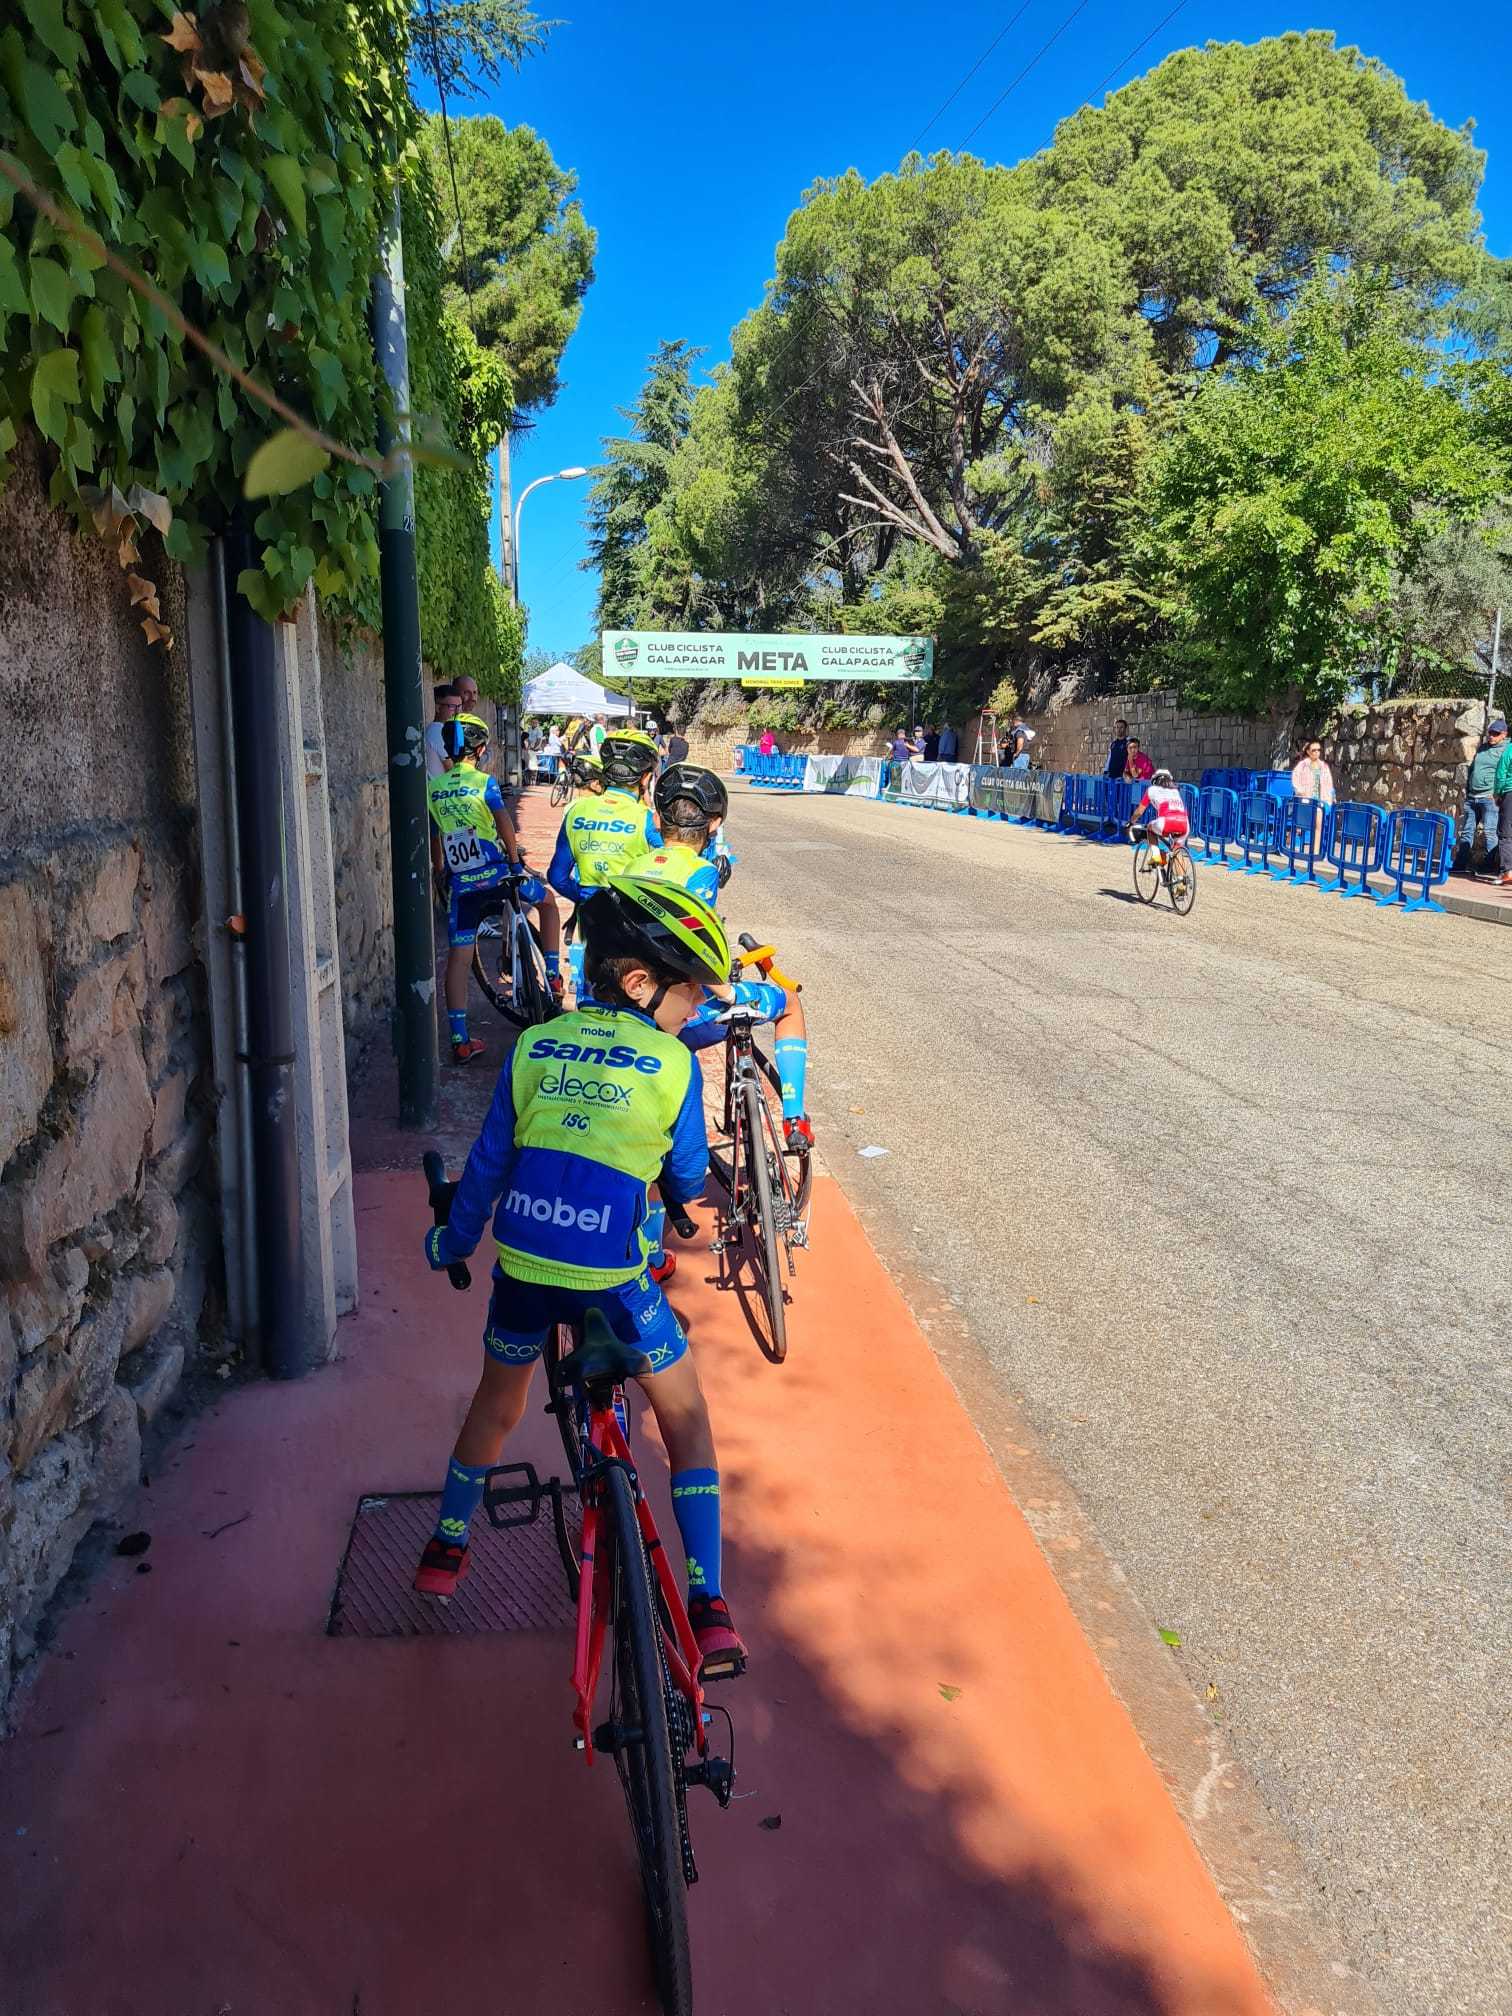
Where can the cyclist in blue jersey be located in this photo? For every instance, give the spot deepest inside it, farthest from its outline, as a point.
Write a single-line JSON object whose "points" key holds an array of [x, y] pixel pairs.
{"points": [[690, 808], [602, 835], [592, 1109], [473, 842]]}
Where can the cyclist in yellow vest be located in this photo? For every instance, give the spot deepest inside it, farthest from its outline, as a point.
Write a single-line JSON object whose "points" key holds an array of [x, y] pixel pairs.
{"points": [[593, 1109], [602, 836], [473, 842]]}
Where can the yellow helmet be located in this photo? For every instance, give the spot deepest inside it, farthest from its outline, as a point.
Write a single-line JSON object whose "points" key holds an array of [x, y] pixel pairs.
{"points": [[627, 755], [674, 930]]}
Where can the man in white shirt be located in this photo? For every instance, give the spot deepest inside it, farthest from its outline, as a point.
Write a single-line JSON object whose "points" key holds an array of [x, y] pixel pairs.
{"points": [[448, 703]]}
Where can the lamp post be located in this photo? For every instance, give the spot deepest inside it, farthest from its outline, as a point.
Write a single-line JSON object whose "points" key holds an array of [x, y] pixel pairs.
{"points": [[557, 476]]}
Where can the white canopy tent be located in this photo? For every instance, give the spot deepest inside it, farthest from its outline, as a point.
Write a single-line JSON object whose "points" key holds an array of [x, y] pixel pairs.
{"points": [[562, 689]]}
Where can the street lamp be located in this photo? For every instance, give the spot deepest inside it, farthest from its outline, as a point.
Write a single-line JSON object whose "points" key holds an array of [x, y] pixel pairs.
{"points": [[557, 476]]}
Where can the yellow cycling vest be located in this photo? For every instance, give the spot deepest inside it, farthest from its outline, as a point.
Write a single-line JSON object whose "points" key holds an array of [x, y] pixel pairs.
{"points": [[463, 816], [605, 834]]}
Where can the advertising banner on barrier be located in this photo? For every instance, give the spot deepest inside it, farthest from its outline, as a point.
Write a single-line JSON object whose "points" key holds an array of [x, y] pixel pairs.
{"points": [[844, 776], [940, 784], [771, 660], [1018, 794]]}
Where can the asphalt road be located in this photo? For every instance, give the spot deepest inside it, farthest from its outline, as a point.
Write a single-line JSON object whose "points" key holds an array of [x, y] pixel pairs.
{"points": [[1224, 1199]]}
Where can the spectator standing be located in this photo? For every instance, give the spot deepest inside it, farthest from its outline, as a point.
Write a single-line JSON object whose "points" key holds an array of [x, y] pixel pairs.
{"points": [[1118, 750], [1312, 779], [948, 745], [1480, 800], [448, 704], [931, 745], [768, 743], [597, 733], [1501, 784], [1136, 763], [677, 747], [552, 752], [1016, 748]]}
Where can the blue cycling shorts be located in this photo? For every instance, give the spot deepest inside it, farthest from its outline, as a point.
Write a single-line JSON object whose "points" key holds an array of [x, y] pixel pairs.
{"points": [[521, 1312], [702, 1031], [468, 907]]}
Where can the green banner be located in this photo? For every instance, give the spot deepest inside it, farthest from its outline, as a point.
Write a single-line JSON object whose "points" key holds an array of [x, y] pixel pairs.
{"points": [[711, 654]]}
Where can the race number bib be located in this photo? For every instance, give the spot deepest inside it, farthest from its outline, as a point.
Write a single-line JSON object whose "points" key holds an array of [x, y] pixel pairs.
{"points": [[462, 851]]}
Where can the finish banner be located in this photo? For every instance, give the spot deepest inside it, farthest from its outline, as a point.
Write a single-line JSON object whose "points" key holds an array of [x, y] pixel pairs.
{"points": [[713, 654]]}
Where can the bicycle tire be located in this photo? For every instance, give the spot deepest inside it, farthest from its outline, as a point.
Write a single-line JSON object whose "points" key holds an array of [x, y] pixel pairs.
{"points": [[530, 991], [1184, 895], [562, 1339], [1146, 873], [648, 1769], [764, 1230], [559, 789]]}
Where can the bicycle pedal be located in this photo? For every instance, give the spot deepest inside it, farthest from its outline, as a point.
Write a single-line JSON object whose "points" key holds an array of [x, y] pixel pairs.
{"points": [[529, 1494]]}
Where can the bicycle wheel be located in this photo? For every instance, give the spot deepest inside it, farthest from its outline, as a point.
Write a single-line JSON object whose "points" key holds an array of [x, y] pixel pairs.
{"points": [[649, 1767], [490, 961], [559, 789], [1181, 880], [561, 1340], [766, 1251], [1146, 872], [530, 992]]}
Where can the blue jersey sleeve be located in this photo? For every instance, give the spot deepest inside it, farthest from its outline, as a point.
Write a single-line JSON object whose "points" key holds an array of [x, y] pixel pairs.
{"points": [[653, 831], [493, 797], [485, 1175], [704, 882], [562, 874], [686, 1163]]}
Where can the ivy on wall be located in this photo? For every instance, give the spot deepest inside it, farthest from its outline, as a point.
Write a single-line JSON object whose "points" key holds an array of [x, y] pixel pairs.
{"points": [[240, 156]]}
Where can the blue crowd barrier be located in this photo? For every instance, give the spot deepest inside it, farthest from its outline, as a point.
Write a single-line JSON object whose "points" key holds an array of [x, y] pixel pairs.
{"points": [[1305, 828], [1256, 831], [1277, 782], [1355, 847], [1217, 824], [775, 772], [1418, 850]]}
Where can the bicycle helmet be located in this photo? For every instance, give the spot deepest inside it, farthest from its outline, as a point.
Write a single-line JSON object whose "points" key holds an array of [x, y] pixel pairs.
{"points": [[689, 780], [1162, 777], [627, 755], [585, 766], [672, 930], [463, 735]]}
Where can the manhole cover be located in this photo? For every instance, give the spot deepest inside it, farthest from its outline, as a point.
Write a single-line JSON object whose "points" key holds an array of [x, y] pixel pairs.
{"points": [[514, 1581]]}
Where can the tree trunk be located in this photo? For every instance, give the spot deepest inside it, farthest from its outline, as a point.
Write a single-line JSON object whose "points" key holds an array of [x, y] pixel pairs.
{"points": [[1282, 715]]}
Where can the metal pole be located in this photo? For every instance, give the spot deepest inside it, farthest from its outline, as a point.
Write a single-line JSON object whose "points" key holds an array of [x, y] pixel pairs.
{"points": [[509, 573], [1495, 658], [404, 697], [255, 701]]}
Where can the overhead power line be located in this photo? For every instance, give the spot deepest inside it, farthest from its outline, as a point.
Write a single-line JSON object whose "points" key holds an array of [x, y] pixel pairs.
{"points": [[972, 71], [1161, 23], [451, 166], [1043, 50]]}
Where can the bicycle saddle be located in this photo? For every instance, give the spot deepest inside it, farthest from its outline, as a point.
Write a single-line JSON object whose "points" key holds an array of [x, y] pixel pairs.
{"points": [[601, 1357]]}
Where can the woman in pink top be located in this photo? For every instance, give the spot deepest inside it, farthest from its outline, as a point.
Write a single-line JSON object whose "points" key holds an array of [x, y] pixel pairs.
{"points": [[767, 743], [1137, 764], [1312, 777]]}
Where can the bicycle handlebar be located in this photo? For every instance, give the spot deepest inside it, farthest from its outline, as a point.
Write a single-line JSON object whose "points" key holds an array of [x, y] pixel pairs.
{"points": [[441, 1195], [765, 956], [680, 1222]]}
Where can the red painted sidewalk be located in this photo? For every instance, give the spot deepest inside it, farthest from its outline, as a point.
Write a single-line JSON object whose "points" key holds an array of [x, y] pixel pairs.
{"points": [[212, 1809]]}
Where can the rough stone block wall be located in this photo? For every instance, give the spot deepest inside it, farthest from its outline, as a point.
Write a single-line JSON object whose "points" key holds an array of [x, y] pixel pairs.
{"points": [[109, 1248], [351, 672], [1175, 737], [1406, 752]]}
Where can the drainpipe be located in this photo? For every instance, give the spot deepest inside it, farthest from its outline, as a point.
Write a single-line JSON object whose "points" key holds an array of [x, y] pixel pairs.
{"points": [[255, 697]]}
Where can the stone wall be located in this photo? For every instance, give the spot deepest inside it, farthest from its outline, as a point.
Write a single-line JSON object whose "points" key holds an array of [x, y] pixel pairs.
{"points": [[351, 669], [1174, 737], [1405, 752], [109, 1249]]}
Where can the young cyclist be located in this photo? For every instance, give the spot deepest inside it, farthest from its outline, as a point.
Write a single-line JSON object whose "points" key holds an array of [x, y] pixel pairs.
{"points": [[602, 835], [588, 1114], [690, 806], [1168, 813], [473, 840]]}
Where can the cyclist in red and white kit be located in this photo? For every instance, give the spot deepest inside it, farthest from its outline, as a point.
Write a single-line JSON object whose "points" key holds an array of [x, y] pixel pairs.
{"points": [[1167, 813]]}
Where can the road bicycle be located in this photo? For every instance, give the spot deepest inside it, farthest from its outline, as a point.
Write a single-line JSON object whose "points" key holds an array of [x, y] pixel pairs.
{"points": [[634, 1645], [1160, 861], [508, 963], [766, 1184], [561, 784]]}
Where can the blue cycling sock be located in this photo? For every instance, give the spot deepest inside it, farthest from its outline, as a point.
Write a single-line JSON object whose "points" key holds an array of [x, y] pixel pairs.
{"points": [[695, 1505], [655, 1229], [460, 1498], [553, 964], [790, 1054], [457, 1021]]}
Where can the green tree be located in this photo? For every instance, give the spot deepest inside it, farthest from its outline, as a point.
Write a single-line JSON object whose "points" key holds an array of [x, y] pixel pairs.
{"points": [[1298, 492], [466, 45], [521, 258]]}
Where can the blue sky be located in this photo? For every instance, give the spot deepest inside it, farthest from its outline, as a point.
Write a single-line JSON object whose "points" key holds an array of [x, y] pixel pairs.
{"points": [[694, 130]]}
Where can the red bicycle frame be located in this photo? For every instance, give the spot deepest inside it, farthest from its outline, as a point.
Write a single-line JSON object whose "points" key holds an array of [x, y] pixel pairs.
{"points": [[607, 1442]]}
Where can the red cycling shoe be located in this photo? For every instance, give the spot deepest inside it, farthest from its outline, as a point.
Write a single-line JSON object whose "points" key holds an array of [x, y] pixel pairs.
{"points": [[464, 1053], [663, 1269], [798, 1133], [442, 1567], [722, 1656]]}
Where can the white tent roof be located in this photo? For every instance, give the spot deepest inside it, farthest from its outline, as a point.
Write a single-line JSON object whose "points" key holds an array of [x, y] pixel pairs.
{"points": [[562, 689]]}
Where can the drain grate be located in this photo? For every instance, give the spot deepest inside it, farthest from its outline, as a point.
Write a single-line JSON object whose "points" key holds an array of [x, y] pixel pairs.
{"points": [[514, 1580]]}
